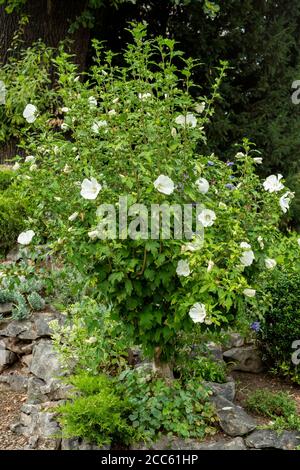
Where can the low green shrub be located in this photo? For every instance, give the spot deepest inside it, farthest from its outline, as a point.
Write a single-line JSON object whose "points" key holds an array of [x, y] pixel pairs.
{"points": [[161, 407], [279, 406], [12, 221], [271, 404], [202, 368], [90, 340], [6, 178], [281, 326], [98, 414]]}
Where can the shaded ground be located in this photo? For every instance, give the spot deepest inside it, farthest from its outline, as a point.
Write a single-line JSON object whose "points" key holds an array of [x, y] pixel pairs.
{"points": [[247, 382], [10, 404]]}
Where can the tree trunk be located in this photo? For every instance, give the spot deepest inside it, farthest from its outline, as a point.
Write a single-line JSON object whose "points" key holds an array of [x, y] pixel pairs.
{"points": [[49, 20], [161, 368]]}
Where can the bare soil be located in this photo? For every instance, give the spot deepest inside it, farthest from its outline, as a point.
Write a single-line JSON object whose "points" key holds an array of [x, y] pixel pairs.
{"points": [[10, 404]]}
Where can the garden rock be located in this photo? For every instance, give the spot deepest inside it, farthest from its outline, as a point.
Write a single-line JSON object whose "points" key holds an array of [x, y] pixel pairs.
{"points": [[214, 351], [234, 340], [15, 328], [7, 358], [14, 255], [17, 346], [37, 421], [173, 443], [226, 390], [233, 419], [14, 382], [34, 394], [6, 308], [246, 359], [78, 444], [234, 444], [36, 327], [268, 439], [45, 363]]}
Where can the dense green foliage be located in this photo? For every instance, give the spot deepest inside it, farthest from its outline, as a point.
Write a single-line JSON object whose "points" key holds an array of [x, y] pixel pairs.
{"points": [[6, 178], [279, 406], [12, 220], [160, 407], [281, 326], [271, 404], [98, 414], [136, 405]]}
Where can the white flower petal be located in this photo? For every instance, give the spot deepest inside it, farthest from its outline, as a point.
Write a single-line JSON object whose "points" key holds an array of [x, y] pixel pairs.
{"points": [[272, 184], [164, 185], [270, 263], [90, 188], [25, 237], [202, 185], [183, 268], [30, 113], [249, 292], [207, 217], [198, 313]]}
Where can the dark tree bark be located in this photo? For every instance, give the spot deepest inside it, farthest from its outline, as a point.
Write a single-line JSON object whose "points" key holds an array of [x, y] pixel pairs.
{"points": [[49, 20], [8, 26]]}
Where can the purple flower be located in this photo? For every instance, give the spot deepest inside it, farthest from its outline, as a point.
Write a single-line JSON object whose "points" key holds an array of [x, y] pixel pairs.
{"points": [[255, 326], [229, 163], [230, 186], [210, 163]]}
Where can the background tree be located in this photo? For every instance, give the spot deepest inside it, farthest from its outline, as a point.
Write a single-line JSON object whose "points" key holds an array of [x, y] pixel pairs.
{"points": [[259, 38]]}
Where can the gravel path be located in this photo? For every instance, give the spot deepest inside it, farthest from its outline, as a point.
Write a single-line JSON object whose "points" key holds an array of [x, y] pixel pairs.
{"points": [[10, 404]]}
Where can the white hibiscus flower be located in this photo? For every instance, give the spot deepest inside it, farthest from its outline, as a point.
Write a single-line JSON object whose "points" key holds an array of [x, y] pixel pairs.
{"points": [[30, 159], [247, 258], [194, 245], [73, 216], [261, 242], [198, 313], [189, 120], [97, 126], [240, 155], [173, 132], [273, 184], [210, 266], [90, 188], [164, 184], [202, 185], [94, 234], [16, 166], [207, 217], [183, 268], [200, 107], [285, 201], [92, 102], [249, 292], [144, 96], [245, 246], [30, 113], [270, 263], [25, 237]]}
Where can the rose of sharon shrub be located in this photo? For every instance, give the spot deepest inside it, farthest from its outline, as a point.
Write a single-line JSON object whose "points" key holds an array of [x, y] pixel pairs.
{"points": [[139, 139]]}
